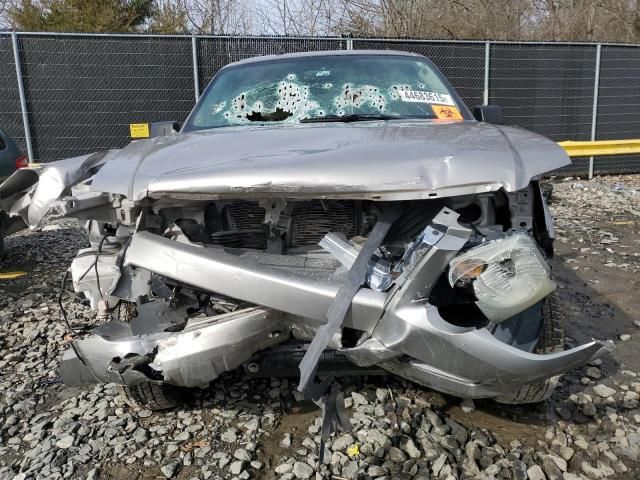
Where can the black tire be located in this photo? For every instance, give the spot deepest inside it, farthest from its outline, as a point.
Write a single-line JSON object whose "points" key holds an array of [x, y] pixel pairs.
{"points": [[551, 341], [154, 396]]}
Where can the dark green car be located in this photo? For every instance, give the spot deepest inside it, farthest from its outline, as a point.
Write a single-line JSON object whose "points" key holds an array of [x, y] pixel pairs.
{"points": [[11, 159]]}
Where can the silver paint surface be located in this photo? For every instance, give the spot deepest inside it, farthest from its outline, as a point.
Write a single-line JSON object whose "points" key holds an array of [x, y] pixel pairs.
{"points": [[392, 160]]}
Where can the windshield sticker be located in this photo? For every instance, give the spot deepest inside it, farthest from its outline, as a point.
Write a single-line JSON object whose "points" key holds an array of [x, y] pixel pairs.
{"points": [[420, 96], [445, 112]]}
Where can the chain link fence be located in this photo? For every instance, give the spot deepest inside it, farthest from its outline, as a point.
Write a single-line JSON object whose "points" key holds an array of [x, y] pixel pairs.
{"points": [[81, 91]]}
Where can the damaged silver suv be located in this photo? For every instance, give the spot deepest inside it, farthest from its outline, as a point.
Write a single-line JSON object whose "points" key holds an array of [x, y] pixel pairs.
{"points": [[327, 212]]}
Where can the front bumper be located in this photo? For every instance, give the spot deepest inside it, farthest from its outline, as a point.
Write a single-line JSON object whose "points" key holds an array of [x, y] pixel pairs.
{"points": [[404, 334]]}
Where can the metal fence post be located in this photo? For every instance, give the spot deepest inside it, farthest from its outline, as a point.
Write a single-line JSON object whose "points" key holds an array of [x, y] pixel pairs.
{"points": [[23, 98], [594, 113], [349, 40], [194, 58], [487, 57]]}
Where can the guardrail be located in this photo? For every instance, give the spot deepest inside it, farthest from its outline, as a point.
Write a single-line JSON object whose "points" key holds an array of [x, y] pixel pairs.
{"points": [[600, 147]]}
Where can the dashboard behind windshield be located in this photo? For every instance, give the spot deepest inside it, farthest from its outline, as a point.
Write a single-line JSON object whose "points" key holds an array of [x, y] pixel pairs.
{"points": [[301, 88]]}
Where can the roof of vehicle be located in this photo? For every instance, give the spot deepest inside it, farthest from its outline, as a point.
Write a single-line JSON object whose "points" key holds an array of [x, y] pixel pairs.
{"points": [[321, 53]]}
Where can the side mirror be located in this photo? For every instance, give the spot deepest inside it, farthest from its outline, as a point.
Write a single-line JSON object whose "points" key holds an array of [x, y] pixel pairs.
{"points": [[489, 114], [163, 129]]}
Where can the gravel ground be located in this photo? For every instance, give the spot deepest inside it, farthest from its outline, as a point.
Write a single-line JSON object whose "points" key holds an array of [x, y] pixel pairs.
{"points": [[258, 428]]}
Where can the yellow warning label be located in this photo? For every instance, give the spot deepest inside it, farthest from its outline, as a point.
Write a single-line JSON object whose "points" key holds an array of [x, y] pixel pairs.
{"points": [[11, 275], [139, 130], [445, 112]]}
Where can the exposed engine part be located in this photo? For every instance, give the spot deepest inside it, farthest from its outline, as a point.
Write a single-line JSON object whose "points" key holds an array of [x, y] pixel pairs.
{"points": [[379, 271], [281, 226], [390, 328], [96, 274], [341, 303]]}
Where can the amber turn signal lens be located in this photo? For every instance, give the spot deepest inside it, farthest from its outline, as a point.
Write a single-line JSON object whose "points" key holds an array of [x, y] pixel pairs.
{"points": [[468, 270]]}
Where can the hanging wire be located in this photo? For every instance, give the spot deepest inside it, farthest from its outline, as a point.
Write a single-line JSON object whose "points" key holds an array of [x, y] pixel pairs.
{"points": [[94, 265]]}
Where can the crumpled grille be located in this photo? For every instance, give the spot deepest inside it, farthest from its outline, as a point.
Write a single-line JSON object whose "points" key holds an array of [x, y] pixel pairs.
{"points": [[240, 215], [312, 220]]}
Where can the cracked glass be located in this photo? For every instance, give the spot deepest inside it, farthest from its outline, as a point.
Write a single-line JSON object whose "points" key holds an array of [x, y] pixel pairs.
{"points": [[315, 87]]}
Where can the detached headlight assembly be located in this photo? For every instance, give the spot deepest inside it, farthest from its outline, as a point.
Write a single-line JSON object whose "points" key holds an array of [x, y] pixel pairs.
{"points": [[508, 275]]}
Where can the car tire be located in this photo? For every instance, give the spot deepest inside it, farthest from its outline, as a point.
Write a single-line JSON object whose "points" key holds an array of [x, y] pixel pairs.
{"points": [[551, 341], [152, 396]]}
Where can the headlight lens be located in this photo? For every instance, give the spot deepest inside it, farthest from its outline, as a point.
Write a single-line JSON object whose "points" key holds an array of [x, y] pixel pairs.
{"points": [[466, 270], [508, 275]]}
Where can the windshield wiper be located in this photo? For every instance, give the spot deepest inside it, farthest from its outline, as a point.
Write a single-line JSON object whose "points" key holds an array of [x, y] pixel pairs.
{"points": [[354, 117]]}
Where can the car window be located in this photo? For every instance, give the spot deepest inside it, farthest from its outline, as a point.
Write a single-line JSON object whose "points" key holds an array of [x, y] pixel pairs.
{"points": [[291, 90]]}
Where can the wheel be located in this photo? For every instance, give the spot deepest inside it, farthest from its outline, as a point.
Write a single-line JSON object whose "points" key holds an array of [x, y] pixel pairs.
{"points": [[551, 340], [154, 396]]}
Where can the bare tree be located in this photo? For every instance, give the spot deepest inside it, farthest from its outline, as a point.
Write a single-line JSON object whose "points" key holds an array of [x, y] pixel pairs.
{"points": [[219, 16], [588, 20], [577, 20], [169, 16], [297, 17], [4, 7]]}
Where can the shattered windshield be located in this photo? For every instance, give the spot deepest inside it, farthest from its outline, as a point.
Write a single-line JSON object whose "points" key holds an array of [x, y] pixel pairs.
{"points": [[339, 87]]}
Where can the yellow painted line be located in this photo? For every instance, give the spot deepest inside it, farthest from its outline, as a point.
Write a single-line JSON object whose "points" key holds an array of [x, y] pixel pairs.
{"points": [[11, 275], [600, 147]]}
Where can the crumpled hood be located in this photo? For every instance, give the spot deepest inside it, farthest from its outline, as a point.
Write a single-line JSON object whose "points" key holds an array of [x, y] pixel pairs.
{"points": [[390, 160]]}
